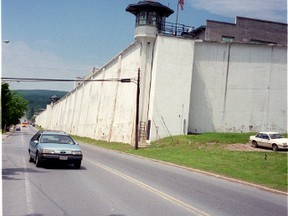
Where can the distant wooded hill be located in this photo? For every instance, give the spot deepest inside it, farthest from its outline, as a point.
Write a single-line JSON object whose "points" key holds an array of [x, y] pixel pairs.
{"points": [[38, 99]]}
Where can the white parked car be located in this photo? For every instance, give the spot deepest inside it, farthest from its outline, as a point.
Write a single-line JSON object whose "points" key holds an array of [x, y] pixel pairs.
{"points": [[274, 140]]}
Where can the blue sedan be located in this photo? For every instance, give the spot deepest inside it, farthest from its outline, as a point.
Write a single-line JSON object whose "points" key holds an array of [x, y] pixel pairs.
{"points": [[56, 146]]}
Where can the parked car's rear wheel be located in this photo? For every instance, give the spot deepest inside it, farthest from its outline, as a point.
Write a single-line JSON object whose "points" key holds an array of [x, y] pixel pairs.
{"points": [[254, 144], [275, 147], [37, 161]]}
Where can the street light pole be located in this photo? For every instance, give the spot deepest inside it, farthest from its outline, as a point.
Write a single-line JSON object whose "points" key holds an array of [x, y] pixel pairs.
{"points": [[6, 42], [137, 111]]}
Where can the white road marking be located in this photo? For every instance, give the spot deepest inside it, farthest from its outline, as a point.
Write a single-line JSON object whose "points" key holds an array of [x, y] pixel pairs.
{"points": [[28, 191]]}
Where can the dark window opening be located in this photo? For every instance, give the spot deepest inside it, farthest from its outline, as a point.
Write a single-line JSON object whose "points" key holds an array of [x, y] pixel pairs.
{"points": [[227, 39]]}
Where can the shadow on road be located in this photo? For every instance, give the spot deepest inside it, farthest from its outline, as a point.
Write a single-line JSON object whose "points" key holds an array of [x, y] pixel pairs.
{"points": [[61, 166], [14, 173]]}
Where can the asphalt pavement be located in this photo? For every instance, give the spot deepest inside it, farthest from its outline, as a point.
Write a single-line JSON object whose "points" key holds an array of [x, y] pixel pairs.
{"points": [[112, 183]]}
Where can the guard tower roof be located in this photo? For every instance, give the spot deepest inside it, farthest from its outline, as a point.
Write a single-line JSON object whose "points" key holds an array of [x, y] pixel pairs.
{"points": [[149, 6]]}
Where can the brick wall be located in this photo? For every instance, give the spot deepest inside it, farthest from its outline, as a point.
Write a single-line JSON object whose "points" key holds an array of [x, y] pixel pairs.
{"points": [[248, 31]]}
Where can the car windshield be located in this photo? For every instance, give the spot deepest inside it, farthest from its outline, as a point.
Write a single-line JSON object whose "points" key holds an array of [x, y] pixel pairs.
{"points": [[276, 136], [55, 138]]}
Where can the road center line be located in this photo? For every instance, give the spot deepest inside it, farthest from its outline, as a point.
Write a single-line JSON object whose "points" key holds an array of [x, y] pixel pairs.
{"points": [[152, 189]]}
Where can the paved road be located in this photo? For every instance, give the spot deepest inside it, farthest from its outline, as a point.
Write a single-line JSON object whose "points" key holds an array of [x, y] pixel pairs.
{"points": [[115, 184]]}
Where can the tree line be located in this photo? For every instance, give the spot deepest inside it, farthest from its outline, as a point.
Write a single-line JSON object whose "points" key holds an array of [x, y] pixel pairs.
{"points": [[38, 99], [17, 102]]}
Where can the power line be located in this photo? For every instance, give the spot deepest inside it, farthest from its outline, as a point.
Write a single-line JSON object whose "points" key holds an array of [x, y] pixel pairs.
{"points": [[21, 79]]}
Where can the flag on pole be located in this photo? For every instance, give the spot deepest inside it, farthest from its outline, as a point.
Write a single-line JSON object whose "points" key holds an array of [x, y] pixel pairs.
{"points": [[181, 3]]}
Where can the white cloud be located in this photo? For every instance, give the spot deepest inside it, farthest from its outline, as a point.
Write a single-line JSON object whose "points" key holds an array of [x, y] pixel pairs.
{"points": [[22, 61], [275, 10]]}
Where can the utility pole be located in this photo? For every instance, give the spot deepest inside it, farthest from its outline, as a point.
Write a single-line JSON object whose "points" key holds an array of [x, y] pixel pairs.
{"points": [[137, 111]]}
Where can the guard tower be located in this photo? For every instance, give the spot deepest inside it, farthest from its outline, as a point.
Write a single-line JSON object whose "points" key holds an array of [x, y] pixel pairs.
{"points": [[150, 20]]}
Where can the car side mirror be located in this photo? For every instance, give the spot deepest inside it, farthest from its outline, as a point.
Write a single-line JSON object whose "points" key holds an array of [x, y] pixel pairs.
{"points": [[36, 141]]}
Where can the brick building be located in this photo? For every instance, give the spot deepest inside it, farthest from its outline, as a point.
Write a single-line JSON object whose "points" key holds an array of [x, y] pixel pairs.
{"points": [[244, 30]]}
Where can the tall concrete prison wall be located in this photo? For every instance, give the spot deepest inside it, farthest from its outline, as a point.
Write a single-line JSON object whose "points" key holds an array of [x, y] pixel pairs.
{"points": [[195, 87], [100, 110], [217, 87], [171, 86], [238, 88]]}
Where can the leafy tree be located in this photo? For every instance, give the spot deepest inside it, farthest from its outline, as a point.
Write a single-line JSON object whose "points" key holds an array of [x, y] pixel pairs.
{"points": [[13, 106]]}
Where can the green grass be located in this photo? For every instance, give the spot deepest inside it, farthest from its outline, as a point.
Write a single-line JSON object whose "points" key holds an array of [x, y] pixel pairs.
{"points": [[208, 152]]}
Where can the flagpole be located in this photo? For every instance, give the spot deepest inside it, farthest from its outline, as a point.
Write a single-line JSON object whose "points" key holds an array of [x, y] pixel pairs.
{"points": [[177, 17]]}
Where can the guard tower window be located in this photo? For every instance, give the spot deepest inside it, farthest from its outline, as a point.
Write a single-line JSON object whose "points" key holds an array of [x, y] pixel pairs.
{"points": [[141, 18], [152, 18], [146, 18]]}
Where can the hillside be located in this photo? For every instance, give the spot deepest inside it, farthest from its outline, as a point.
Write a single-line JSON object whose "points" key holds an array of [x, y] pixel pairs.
{"points": [[38, 99]]}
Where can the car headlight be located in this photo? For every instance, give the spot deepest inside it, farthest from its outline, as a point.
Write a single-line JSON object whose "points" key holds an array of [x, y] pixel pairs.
{"points": [[48, 151], [76, 152]]}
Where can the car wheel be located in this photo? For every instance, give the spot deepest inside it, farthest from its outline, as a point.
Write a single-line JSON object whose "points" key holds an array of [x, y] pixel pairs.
{"points": [[30, 158], [254, 144], [77, 165], [37, 161], [275, 147]]}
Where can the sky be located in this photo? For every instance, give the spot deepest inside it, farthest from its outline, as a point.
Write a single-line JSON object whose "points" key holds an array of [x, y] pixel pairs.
{"points": [[65, 39]]}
